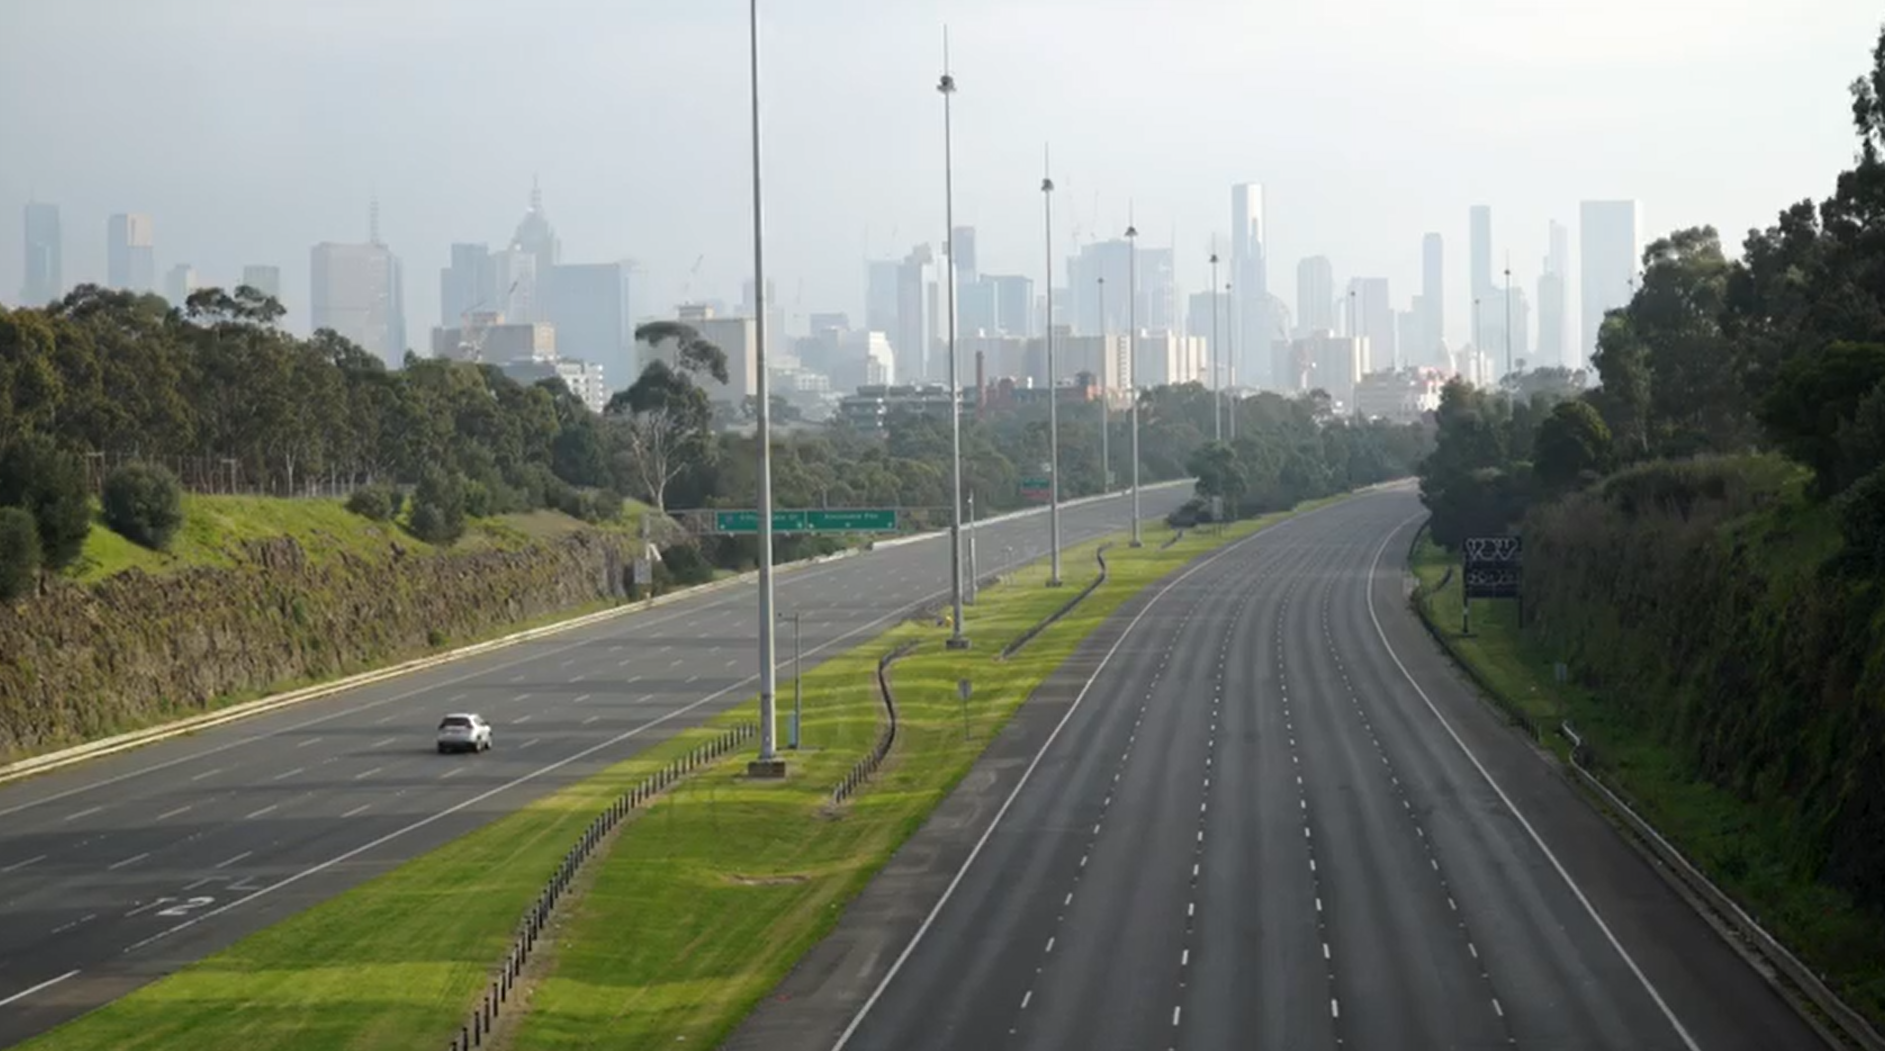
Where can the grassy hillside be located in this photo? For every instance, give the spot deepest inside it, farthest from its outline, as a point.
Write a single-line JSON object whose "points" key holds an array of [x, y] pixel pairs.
{"points": [[220, 531]]}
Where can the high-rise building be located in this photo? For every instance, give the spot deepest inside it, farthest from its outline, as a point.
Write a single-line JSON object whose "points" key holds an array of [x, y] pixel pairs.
{"points": [[1199, 322], [776, 340], [1480, 218], [962, 254], [536, 236], [1315, 295], [880, 295], [467, 286], [130, 253], [1433, 301], [1250, 284], [1373, 317], [514, 285], [1493, 313], [264, 279], [1553, 342], [1014, 304], [1092, 309], [914, 328], [355, 289], [977, 304], [45, 255], [1410, 333], [588, 304], [1610, 243], [179, 282]]}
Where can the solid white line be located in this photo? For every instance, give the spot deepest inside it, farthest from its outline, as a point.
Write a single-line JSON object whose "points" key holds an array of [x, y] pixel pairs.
{"points": [[1368, 584], [24, 993], [1028, 773]]}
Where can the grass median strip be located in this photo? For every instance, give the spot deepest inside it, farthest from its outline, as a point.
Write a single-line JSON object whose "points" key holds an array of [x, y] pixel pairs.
{"points": [[1746, 849], [684, 929]]}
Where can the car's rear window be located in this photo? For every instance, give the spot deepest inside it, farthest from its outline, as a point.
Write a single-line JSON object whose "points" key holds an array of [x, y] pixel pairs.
{"points": [[454, 720]]}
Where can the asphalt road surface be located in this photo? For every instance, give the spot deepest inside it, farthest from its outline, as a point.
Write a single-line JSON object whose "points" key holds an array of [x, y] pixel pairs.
{"points": [[115, 872], [1276, 818]]}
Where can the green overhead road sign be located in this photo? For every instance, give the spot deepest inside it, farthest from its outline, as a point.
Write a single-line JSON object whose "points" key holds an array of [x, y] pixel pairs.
{"points": [[1036, 488], [838, 520], [852, 520]]}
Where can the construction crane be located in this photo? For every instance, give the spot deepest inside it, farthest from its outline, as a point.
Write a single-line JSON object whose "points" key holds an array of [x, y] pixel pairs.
{"points": [[687, 287], [473, 328]]}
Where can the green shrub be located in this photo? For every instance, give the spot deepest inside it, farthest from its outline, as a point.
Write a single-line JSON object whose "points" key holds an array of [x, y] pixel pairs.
{"points": [[144, 504], [480, 502], [376, 502], [685, 565], [438, 508], [19, 552], [48, 483]]}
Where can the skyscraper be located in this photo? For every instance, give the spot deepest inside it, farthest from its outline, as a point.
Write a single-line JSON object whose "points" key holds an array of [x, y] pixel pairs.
{"points": [[962, 253], [355, 290], [1610, 239], [1553, 347], [1373, 318], [915, 325], [1014, 303], [514, 285], [536, 236], [1315, 295], [466, 286], [1480, 218], [1432, 301], [1250, 285], [130, 256], [264, 279], [1091, 312], [588, 304], [45, 255], [880, 295], [179, 282]]}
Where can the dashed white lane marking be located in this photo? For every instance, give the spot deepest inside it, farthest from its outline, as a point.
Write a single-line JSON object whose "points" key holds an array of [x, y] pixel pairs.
{"points": [[116, 865], [357, 810], [286, 774], [591, 719], [453, 772], [231, 861], [269, 809], [18, 865], [172, 813], [520, 720], [530, 742], [383, 742], [580, 699], [310, 741], [367, 773], [87, 812]]}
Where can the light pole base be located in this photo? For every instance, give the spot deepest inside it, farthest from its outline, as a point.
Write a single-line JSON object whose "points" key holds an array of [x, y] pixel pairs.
{"points": [[1136, 543], [766, 769], [959, 642], [1054, 583]]}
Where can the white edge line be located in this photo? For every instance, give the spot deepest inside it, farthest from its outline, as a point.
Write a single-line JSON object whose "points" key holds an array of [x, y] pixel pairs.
{"points": [[987, 833], [1374, 570], [24, 993]]}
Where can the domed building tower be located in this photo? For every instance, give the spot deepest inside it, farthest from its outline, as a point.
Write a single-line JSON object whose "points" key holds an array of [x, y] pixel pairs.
{"points": [[536, 236]]}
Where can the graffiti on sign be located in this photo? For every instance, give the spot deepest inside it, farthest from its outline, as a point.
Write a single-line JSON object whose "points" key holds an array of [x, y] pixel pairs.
{"points": [[1490, 566]]}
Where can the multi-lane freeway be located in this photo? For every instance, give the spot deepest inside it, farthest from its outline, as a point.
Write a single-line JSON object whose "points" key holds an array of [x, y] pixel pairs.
{"points": [[120, 870], [1270, 816]]}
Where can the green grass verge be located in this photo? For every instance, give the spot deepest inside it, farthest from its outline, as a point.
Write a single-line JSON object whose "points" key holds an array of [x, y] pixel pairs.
{"points": [[1751, 851], [216, 528], [681, 935]]}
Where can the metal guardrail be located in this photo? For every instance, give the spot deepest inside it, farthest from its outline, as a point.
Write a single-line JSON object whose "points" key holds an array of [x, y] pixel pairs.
{"points": [[1851, 1024], [1099, 555], [868, 765], [478, 1027]]}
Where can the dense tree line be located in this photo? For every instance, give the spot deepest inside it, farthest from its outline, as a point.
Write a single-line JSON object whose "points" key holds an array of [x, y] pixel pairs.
{"points": [[1705, 530]]}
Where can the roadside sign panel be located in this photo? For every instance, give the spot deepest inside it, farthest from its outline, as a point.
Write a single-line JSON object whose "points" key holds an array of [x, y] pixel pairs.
{"points": [[1038, 489], [852, 520], [1490, 566]]}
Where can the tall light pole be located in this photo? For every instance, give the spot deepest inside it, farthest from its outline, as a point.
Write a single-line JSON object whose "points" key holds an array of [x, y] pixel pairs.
{"points": [[947, 86], [1230, 348], [1132, 363], [1106, 460], [1478, 349], [1053, 398], [769, 763], [1508, 321], [1217, 407]]}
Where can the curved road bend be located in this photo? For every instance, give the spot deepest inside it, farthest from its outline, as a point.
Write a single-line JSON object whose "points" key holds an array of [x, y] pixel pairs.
{"points": [[117, 871], [1258, 830]]}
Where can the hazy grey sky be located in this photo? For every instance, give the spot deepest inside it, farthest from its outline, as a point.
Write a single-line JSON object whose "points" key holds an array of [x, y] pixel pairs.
{"points": [[251, 129]]}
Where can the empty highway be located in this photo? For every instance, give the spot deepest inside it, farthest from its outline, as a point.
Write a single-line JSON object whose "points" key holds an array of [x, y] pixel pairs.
{"points": [[1275, 818], [120, 870]]}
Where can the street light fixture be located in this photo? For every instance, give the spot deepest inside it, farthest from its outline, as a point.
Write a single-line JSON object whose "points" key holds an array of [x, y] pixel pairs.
{"points": [[1132, 363], [1230, 347], [947, 86], [1053, 396], [769, 764]]}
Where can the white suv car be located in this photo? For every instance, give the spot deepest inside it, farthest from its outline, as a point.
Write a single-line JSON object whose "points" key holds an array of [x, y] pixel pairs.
{"points": [[464, 733]]}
